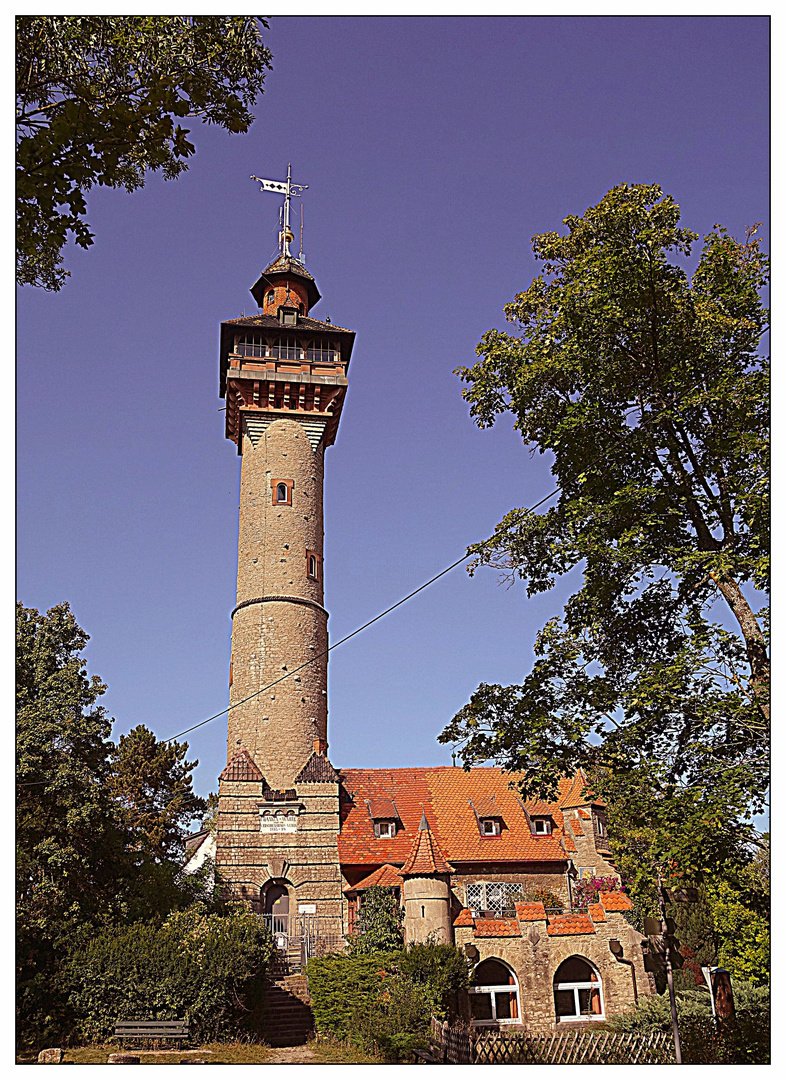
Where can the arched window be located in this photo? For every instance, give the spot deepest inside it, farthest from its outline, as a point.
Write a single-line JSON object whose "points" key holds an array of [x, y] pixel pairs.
{"points": [[494, 995], [282, 492], [578, 991], [270, 296]]}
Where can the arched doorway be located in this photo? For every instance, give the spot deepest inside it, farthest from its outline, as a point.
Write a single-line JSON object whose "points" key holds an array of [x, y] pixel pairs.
{"points": [[494, 995], [277, 908], [578, 991]]}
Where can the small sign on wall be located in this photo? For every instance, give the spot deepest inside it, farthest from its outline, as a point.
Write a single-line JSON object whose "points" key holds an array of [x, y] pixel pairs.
{"points": [[307, 909], [278, 825]]}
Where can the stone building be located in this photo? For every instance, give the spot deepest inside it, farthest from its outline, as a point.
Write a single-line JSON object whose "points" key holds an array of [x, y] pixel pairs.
{"points": [[301, 840]]}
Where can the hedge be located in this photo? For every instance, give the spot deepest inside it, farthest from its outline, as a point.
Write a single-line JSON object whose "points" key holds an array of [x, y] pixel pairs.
{"points": [[206, 969]]}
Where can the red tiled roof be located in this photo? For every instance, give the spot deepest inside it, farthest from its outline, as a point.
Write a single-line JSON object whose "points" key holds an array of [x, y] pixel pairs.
{"points": [[443, 793], [585, 814], [425, 857], [615, 901], [386, 876], [578, 793], [530, 912], [381, 809], [575, 824], [464, 918], [485, 806], [596, 912], [241, 769], [497, 928], [567, 841], [570, 924]]}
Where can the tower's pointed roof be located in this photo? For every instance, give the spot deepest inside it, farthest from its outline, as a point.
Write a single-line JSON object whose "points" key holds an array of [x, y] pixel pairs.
{"points": [[425, 856], [242, 768], [284, 266]]}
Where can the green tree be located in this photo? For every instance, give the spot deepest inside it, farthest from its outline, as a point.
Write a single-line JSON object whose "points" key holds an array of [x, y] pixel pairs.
{"points": [[97, 825], [152, 784], [380, 921], [99, 100], [740, 913], [69, 848], [647, 389]]}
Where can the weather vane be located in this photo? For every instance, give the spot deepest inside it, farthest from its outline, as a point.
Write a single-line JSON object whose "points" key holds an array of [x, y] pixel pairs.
{"points": [[287, 189]]}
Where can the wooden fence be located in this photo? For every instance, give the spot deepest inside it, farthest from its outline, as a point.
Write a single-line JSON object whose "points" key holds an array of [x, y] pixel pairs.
{"points": [[463, 1045]]}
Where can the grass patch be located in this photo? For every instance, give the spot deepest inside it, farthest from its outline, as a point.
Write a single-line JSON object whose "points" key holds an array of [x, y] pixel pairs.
{"points": [[329, 1051], [235, 1053]]}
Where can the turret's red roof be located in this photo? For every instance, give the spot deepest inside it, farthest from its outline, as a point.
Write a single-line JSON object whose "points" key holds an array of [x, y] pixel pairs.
{"points": [[425, 857]]}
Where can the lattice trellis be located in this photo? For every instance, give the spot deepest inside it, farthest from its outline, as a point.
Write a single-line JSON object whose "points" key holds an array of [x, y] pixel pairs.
{"points": [[465, 1046]]}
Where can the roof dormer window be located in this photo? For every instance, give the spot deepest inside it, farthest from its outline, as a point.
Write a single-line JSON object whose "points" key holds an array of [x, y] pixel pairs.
{"points": [[385, 829], [287, 316], [541, 826], [490, 827]]}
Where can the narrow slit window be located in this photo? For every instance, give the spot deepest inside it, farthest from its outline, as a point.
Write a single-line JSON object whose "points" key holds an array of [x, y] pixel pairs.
{"points": [[313, 565]]}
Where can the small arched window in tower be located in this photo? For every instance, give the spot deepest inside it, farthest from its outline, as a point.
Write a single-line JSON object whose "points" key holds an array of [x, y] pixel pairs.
{"points": [[313, 565], [270, 297], [282, 492]]}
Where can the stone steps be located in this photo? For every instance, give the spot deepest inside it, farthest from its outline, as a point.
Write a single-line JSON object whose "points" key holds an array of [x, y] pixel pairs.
{"points": [[289, 1020]]}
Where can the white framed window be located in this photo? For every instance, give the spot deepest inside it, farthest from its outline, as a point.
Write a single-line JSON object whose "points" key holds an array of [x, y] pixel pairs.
{"points": [[385, 828], [494, 997], [541, 826], [493, 896], [489, 827], [578, 991], [600, 826]]}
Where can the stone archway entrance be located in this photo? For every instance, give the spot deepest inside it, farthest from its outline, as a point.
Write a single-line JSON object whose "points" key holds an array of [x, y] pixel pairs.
{"points": [[276, 909]]}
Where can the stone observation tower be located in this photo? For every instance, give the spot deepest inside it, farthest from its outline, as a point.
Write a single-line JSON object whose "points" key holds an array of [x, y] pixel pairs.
{"points": [[284, 377]]}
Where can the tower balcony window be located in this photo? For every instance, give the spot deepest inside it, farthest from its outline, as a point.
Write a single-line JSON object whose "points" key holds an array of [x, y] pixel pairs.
{"points": [[253, 346], [258, 348], [286, 350], [322, 352], [282, 492]]}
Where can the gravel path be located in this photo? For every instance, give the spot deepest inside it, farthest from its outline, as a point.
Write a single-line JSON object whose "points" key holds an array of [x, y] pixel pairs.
{"points": [[291, 1055]]}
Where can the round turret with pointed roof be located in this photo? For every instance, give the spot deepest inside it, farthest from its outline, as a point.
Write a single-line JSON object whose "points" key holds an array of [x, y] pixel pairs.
{"points": [[286, 270]]}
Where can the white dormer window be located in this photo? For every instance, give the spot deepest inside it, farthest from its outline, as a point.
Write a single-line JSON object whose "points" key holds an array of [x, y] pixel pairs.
{"points": [[385, 828], [541, 826], [489, 827]]}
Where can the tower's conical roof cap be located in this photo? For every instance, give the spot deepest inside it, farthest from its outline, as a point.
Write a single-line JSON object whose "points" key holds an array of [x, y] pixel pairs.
{"points": [[284, 266]]}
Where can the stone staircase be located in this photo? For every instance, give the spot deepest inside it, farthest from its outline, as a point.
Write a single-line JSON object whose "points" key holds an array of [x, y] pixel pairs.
{"points": [[288, 1019]]}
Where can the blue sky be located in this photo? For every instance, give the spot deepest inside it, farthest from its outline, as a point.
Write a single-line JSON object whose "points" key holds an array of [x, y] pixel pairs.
{"points": [[434, 148]]}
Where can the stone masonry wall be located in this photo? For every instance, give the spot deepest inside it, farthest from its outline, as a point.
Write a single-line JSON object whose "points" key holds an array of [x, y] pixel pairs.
{"points": [[307, 862], [269, 639], [535, 956]]}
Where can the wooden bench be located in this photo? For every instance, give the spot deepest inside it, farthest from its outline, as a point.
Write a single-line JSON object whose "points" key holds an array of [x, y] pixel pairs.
{"points": [[173, 1030]]}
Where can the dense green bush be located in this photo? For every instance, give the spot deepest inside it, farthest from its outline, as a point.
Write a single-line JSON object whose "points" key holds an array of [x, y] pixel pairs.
{"points": [[384, 1001], [207, 969], [338, 982], [746, 1039], [440, 971]]}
